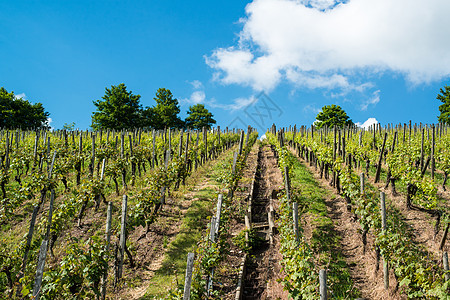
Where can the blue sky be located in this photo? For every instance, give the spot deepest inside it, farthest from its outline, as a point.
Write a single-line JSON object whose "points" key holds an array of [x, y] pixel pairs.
{"points": [[257, 62]]}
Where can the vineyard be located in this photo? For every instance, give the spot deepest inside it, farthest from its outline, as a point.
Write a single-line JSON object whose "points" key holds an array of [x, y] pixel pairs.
{"points": [[60, 189], [303, 214]]}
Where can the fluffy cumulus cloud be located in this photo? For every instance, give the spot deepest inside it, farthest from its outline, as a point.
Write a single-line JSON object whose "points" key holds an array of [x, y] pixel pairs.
{"points": [[325, 43], [197, 97], [369, 122]]}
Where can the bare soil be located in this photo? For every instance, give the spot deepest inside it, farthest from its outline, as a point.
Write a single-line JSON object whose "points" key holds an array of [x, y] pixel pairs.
{"points": [[263, 268], [227, 273]]}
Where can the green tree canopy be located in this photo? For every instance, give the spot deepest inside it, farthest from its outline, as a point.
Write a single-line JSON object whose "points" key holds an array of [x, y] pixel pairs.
{"points": [[444, 108], [20, 113], [165, 113], [199, 117], [118, 110], [332, 115], [69, 127]]}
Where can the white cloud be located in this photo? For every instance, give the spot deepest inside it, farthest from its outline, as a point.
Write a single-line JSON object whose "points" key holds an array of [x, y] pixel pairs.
{"points": [[369, 122], [49, 123], [199, 96], [196, 97], [241, 67], [238, 103], [312, 109], [196, 84], [20, 96], [323, 43], [372, 101]]}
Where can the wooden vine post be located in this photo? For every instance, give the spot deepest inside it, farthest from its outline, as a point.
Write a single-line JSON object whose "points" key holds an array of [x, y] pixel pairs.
{"points": [[122, 156], [422, 149], [444, 237], [446, 268], [287, 183], [188, 278], [92, 163], [218, 213], [213, 234], [323, 284], [432, 151], [249, 130], [365, 230], [170, 139], [154, 160], [377, 175], [186, 156], [133, 161], [36, 144], [384, 230], [43, 252], [27, 248], [219, 144], [362, 180], [241, 142], [163, 188], [108, 240], [295, 217], [212, 230], [123, 237], [196, 149]]}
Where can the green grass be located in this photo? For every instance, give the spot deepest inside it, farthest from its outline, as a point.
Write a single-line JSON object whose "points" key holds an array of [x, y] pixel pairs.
{"points": [[194, 222], [174, 262], [325, 242]]}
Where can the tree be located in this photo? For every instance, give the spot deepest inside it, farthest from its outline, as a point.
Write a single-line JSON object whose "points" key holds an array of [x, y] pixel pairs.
{"points": [[199, 117], [20, 113], [332, 115], [118, 110], [165, 113], [69, 127], [444, 97]]}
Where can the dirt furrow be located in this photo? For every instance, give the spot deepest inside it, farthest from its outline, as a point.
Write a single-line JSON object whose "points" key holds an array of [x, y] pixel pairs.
{"points": [[263, 266]]}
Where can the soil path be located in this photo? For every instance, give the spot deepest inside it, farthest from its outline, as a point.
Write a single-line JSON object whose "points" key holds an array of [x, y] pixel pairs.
{"points": [[263, 267]]}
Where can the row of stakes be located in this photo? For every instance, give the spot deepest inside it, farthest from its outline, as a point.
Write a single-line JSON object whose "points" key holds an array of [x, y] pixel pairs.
{"points": [[322, 273]]}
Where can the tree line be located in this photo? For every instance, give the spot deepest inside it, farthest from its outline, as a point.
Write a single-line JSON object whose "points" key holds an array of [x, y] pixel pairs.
{"points": [[16, 112], [121, 109], [118, 109]]}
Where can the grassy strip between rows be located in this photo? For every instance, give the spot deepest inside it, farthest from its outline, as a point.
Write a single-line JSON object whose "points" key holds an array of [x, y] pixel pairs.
{"points": [[170, 276], [302, 261]]}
